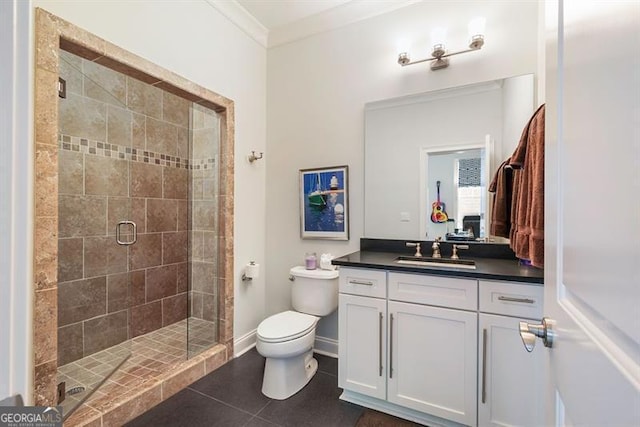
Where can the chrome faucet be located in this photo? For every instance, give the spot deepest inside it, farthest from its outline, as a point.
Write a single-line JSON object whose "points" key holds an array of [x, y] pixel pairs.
{"points": [[454, 255], [415, 245], [436, 248]]}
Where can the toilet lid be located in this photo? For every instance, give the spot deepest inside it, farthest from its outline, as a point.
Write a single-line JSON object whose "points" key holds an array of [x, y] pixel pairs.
{"points": [[286, 326]]}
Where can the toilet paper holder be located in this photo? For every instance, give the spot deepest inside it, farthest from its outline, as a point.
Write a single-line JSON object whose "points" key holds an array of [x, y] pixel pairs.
{"points": [[251, 271]]}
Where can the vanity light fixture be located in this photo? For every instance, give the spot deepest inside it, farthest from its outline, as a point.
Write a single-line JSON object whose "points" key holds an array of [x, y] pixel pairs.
{"points": [[439, 55]]}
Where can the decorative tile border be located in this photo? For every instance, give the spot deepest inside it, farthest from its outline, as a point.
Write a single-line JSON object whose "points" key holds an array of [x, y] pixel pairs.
{"points": [[103, 149]]}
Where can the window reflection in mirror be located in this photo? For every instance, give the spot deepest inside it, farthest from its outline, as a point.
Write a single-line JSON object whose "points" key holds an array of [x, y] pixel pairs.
{"points": [[462, 203]]}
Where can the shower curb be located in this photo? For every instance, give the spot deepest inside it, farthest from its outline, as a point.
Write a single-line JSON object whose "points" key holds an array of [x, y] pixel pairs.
{"points": [[115, 410]]}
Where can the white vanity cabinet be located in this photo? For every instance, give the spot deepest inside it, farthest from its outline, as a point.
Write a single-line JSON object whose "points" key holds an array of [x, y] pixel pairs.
{"points": [[362, 349], [415, 360], [510, 384], [432, 348], [439, 350], [362, 330], [432, 357]]}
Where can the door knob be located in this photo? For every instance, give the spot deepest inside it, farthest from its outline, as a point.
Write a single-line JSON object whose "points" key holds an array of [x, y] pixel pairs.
{"points": [[529, 332]]}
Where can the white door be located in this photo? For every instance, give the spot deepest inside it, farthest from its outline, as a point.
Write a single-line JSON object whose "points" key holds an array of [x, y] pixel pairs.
{"points": [[592, 220], [362, 345], [432, 360]]}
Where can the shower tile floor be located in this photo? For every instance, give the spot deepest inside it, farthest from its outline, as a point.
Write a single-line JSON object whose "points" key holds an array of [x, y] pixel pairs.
{"points": [[151, 356]]}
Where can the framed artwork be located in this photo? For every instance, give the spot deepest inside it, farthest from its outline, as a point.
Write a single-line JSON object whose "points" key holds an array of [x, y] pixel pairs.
{"points": [[324, 203]]}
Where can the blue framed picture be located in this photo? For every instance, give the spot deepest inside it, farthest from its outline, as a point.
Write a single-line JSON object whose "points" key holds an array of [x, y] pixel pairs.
{"points": [[324, 207]]}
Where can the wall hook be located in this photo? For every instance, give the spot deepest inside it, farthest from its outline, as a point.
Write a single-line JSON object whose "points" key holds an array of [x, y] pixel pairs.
{"points": [[253, 157]]}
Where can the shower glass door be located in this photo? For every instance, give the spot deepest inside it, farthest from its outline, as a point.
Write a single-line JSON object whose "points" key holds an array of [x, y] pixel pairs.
{"points": [[98, 226], [138, 230], [202, 326]]}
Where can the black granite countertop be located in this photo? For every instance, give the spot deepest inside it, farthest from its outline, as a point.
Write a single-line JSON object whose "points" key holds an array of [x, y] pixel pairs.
{"points": [[486, 268]]}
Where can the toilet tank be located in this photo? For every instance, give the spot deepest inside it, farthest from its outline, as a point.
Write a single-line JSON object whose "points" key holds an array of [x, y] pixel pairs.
{"points": [[314, 291]]}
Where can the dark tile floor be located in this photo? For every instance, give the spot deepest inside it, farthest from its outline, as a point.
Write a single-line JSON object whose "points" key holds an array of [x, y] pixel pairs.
{"points": [[231, 396]]}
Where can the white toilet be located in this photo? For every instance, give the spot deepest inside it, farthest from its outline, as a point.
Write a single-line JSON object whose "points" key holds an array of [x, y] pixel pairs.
{"points": [[286, 339]]}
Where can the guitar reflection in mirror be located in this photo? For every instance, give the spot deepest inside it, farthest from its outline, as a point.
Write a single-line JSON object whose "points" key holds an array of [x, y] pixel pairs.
{"points": [[438, 213]]}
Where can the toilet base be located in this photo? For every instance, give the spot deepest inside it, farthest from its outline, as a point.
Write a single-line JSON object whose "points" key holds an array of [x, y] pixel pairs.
{"points": [[284, 377]]}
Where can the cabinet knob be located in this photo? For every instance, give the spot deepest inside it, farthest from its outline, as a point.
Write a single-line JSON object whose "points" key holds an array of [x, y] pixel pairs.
{"points": [[530, 331]]}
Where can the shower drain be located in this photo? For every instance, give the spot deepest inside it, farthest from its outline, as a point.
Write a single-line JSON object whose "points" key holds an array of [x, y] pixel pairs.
{"points": [[75, 390]]}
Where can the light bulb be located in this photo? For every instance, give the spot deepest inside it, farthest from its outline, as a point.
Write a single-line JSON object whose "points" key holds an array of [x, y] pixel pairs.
{"points": [[403, 45], [477, 26], [438, 36]]}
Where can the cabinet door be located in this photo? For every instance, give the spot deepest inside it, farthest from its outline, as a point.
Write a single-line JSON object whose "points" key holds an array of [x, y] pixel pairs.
{"points": [[432, 359], [362, 348], [510, 381]]}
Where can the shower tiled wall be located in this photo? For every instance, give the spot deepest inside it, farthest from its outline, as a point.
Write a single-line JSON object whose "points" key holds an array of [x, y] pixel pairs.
{"points": [[204, 236], [125, 155]]}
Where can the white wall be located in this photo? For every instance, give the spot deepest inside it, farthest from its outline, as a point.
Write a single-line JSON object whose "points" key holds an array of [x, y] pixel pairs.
{"points": [[194, 40], [516, 110], [317, 88]]}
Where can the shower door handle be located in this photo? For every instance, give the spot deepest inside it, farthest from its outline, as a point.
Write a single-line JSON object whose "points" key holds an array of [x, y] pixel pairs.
{"points": [[134, 233]]}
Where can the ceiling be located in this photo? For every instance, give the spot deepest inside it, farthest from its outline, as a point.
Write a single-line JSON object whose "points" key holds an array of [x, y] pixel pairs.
{"points": [[276, 13], [275, 22]]}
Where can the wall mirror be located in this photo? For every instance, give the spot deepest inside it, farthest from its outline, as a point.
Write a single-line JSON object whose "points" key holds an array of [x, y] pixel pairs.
{"points": [[413, 142]]}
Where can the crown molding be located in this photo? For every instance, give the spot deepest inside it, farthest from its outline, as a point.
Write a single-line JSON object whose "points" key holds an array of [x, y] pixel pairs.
{"points": [[242, 19], [340, 16], [450, 92]]}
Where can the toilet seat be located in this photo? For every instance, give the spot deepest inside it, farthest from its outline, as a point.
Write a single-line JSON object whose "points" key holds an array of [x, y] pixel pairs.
{"points": [[286, 326]]}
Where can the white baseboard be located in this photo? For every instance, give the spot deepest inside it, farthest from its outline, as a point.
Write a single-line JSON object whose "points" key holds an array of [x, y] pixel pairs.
{"points": [[244, 343], [322, 345], [326, 346]]}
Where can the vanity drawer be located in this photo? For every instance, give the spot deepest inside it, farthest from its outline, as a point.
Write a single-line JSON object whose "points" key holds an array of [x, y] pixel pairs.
{"points": [[434, 290], [511, 299], [365, 282]]}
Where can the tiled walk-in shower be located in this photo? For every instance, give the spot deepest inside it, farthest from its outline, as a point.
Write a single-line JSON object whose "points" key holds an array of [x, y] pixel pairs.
{"points": [[137, 230], [129, 142]]}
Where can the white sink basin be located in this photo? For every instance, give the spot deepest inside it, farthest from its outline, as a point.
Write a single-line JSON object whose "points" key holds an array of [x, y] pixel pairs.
{"points": [[437, 262]]}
